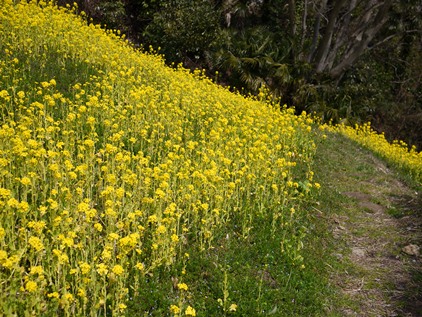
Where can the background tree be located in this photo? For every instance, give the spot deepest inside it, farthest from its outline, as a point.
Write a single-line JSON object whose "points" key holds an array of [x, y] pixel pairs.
{"points": [[184, 30]]}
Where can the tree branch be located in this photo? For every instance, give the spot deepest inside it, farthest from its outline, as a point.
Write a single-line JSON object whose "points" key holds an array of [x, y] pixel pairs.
{"points": [[342, 35], [392, 36], [304, 29], [316, 31], [361, 42], [324, 46], [292, 17]]}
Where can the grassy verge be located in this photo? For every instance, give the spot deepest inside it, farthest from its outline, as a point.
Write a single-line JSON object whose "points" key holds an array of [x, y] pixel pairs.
{"points": [[249, 276]]}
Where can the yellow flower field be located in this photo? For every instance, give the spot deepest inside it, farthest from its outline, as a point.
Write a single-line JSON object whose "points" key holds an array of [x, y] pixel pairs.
{"points": [[111, 163]]}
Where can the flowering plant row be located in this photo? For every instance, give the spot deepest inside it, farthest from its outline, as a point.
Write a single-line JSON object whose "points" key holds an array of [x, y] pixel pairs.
{"points": [[111, 164], [397, 153]]}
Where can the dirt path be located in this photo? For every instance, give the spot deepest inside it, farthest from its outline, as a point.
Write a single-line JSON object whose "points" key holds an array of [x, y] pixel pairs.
{"points": [[376, 223]]}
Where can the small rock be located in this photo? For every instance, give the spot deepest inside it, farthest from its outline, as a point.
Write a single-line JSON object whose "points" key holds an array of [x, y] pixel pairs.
{"points": [[412, 249], [360, 253], [338, 256]]}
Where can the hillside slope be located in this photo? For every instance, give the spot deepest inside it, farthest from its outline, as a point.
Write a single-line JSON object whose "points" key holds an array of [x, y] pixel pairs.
{"points": [[121, 178]]}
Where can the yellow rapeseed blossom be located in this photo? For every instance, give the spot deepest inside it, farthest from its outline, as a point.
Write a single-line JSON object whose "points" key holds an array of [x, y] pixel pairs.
{"points": [[53, 295], [36, 270], [85, 267], [66, 299], [26, 181], [37, 226], [161, 229], [190, 311], [102, 269], [174, 238], [233, 307], [140, 266], [182, 286], [36, 243], [3, 256], [31, 286], [122, 307], [117, 269], [174, 309], [98, 227], [81, 293]]}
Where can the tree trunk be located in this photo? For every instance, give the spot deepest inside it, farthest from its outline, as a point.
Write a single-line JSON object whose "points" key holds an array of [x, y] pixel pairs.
{"points": [[292, 24], [316, 33], [361, 41], [325, 44]]}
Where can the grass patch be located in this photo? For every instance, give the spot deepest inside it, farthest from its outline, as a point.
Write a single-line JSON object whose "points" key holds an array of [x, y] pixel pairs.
{"points": [[248, 277]]}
